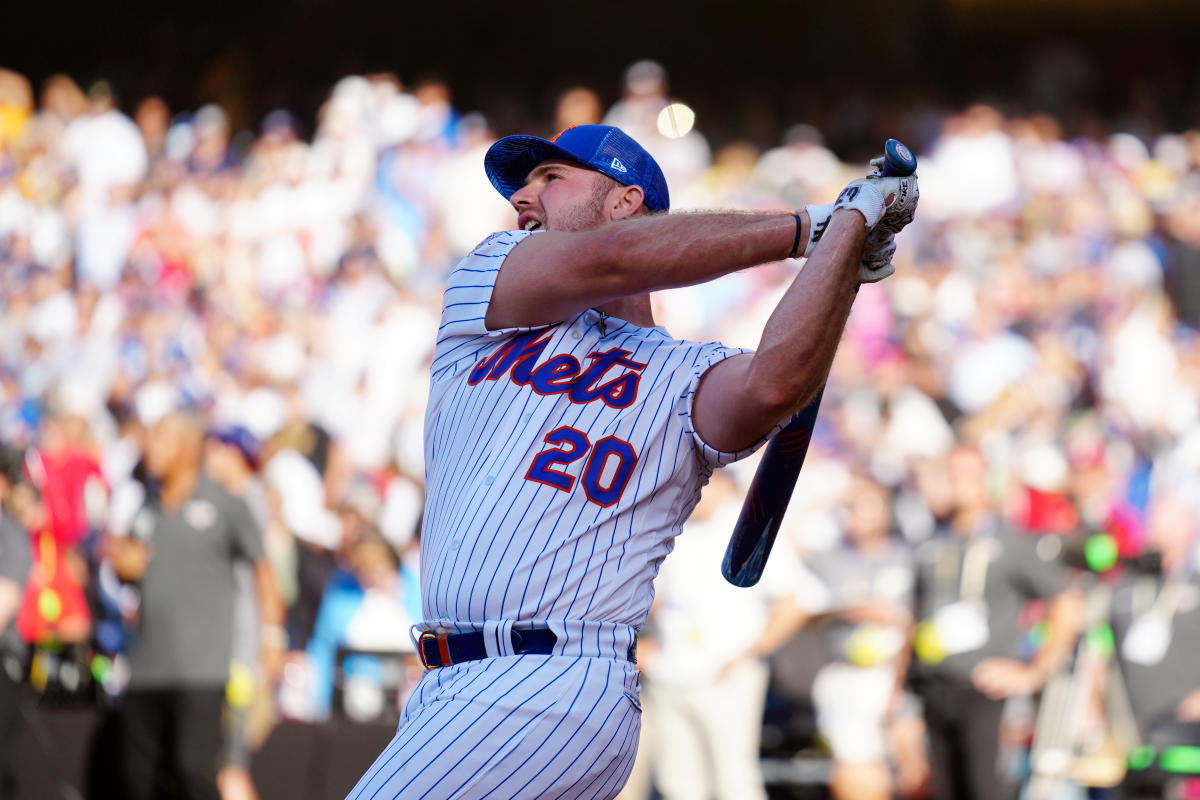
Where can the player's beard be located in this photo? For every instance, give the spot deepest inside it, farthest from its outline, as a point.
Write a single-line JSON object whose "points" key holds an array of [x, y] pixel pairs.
{"points": [[586, 213]]}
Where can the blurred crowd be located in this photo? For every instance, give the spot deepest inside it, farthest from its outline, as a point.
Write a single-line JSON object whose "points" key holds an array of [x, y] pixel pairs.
{"points": [[253, 312]]}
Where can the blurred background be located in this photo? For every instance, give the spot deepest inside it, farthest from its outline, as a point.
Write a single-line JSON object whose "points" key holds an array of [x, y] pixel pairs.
{"points": [[247, 213]]}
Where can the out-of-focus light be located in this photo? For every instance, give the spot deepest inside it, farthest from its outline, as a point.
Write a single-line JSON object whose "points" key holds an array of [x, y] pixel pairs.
{"points": [[676, 120]]}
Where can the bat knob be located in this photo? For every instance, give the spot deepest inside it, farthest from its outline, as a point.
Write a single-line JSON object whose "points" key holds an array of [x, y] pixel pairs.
{"points": [[898, 160]]}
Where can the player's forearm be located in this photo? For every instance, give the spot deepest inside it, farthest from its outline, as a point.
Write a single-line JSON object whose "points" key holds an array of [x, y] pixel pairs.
{"points": [[742, 398], [801, 337], [662, 252], [548, 277]]}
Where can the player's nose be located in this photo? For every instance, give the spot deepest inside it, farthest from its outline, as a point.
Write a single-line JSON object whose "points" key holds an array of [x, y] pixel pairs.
{"points": [[525, 196]]}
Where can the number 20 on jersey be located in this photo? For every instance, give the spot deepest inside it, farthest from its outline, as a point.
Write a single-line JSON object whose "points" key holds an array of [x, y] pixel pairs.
{"points": [[608, 464]]}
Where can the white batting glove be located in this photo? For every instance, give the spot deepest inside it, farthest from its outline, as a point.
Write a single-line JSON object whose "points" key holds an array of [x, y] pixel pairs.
{"points": [[890, 202], [877, 257], [877, 253], [897, 199], [818, 221], [901, 195]]}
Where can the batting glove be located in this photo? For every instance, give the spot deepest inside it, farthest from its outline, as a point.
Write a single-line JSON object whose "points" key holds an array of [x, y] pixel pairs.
{"points": [[877, 253], [818, 221], [900, 198], [877, 257], [887, 203]]}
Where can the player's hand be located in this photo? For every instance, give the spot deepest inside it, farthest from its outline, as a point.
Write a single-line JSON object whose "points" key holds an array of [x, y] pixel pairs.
{"points": [[900, 198], [878, 253], [999, 678], [887, 204]]}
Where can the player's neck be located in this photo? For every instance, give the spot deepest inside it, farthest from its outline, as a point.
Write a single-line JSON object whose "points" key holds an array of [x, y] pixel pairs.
{"points": [[634, 309]]}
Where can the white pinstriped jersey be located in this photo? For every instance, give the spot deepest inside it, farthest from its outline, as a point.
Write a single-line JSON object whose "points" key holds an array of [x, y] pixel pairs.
{"points": [[560, 464]]}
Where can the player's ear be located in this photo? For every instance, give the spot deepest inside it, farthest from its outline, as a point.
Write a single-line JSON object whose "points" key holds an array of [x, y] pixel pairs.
{"points": [[626, 201]]}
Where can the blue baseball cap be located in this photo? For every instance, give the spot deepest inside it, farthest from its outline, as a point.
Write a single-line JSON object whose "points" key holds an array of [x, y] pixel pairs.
{"points": [[241, 440], [606, 149]]}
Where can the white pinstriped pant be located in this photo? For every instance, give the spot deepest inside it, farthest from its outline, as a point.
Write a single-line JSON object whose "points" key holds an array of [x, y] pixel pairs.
{"points": [[528, 726]]}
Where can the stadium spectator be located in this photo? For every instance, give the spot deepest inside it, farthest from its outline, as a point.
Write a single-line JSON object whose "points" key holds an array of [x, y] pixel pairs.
{"points": [[231, 459], [1044, 302], [861, 601], [1156, 627], [15, 562], [706, 681], [973, 579], [577, 106], [181, 552], [682, 154], [369, 605]]}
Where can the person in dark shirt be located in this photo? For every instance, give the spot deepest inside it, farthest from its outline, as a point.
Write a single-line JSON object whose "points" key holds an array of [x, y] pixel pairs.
{"points": [[15, 562], [973, 578], [182, 552], [1156, 630]]}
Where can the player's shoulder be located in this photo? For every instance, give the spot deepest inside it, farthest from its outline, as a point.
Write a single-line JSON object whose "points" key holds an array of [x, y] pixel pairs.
{"points": [[706, 353], [663, 338], [499, 242], [485, 258], [659, 340]]}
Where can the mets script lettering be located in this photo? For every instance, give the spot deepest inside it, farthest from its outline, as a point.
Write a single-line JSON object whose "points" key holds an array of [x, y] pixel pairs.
{"points": [[563, 374]]}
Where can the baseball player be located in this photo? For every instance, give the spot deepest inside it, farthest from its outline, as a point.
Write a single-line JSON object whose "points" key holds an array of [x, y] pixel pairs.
{"points": [[567, 438]]}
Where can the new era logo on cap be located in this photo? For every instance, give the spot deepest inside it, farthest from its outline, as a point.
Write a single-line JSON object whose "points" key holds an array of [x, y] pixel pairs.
{"points": [[604, 148]]}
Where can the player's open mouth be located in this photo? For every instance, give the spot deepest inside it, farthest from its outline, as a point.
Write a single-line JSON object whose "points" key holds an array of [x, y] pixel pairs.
{"points": [[532, 225]]}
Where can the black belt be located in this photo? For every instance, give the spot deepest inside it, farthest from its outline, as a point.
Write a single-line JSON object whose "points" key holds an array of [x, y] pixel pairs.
{"points": [[443, 649]]}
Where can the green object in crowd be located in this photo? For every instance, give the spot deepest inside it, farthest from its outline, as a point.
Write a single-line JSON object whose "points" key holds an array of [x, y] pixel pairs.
{"points": [[1100, 551], [1181, 759], [102, 668], [1100, 641], [1141, 757], [1039, 633]]}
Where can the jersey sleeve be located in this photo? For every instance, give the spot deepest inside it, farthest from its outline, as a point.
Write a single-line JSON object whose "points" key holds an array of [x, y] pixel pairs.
{"points": [[709, 356], [462, 333]]}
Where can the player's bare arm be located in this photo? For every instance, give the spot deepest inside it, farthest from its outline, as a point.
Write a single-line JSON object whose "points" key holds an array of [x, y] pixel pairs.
{"points": [[740, 399], [627, 252]]}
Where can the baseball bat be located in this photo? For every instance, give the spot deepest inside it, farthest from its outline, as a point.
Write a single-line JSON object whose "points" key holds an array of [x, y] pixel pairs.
{"points": [[771, 490]]}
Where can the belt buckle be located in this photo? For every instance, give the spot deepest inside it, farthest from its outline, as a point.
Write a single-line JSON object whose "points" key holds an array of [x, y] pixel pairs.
{"points": [[443, 645]]}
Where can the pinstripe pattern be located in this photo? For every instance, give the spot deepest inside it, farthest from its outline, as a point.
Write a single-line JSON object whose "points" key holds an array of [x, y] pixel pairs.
{"points": [[498, 548], [516, 726]]}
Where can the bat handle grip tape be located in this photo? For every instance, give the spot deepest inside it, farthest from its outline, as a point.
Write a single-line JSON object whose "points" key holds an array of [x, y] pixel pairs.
{"points": [[796, 240]]}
